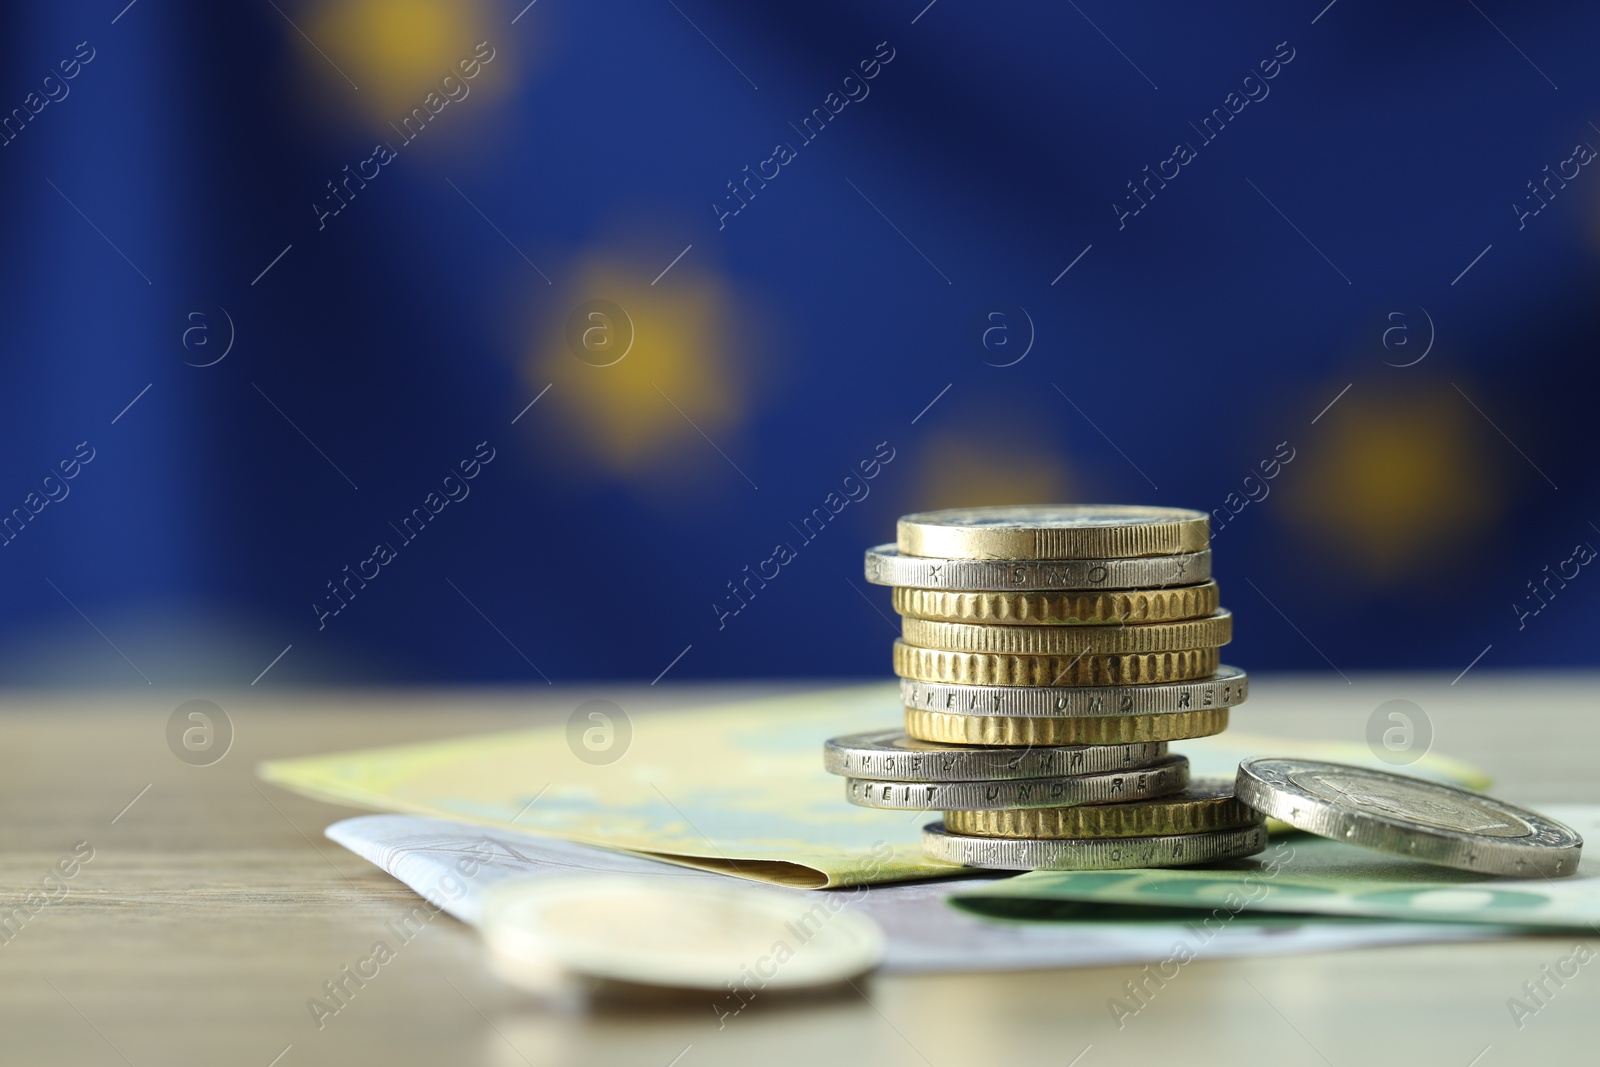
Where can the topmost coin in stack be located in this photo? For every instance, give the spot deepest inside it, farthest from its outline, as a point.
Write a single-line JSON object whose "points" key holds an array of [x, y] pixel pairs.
{"points": [[1070, 642]]}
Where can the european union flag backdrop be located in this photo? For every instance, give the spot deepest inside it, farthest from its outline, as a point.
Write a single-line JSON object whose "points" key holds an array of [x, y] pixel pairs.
{"points": [[459, 340]]}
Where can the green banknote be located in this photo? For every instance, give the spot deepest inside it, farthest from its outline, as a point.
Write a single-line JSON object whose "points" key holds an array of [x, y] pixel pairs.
{"points": [[1303, 874]]}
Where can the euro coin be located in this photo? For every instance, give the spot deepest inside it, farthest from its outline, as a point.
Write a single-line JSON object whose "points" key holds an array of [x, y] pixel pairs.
{"points": [[1169, 775], [1053, 531], [887, 565], [949, 728], [1226, 688], [1058, 608], [890, 755], [1205, 804], [1090, 854], [1411, 817], [991, 668], [1210, 632]]}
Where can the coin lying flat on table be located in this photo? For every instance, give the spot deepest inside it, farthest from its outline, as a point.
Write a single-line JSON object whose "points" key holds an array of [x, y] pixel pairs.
{"points": [[1053, 531], [668, 932], [887, 566], [948, 728], [1205, 804], [1168, 775], [1226, 688], [1090, 854], [993, 668], [1210, 632], [1409, 817], [889, 755], [1058, 608]]}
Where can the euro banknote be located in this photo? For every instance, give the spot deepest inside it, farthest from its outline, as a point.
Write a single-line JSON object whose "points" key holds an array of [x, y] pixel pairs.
{"points": [[737, 788], [1306, 875]]}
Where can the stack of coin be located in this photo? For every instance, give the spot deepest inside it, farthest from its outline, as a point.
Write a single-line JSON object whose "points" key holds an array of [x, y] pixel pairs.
{"points": [[1048, 654]]}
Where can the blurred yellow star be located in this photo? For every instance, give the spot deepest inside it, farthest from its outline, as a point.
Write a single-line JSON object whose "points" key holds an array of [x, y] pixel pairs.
{"points": [[397, 51], [642, 373], [1399, 480]]}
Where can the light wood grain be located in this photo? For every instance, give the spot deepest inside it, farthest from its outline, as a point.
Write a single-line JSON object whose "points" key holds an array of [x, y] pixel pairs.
{"points": [[214, 908]]}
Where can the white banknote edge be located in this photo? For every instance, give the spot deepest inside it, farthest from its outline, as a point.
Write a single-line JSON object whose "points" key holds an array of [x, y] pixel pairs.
{"points": [[452, 864]]}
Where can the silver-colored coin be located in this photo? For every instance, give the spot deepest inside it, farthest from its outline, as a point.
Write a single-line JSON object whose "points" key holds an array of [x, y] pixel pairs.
{"points": [[1168, 775], [669, 932], [886, 566], [1090, 854], [1409, 817], [1227, 688], [889, 755]]}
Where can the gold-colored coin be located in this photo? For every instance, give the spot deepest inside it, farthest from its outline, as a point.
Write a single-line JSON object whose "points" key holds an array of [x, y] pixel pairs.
{"points": [[1053, 531], [950, 728], [1209, 632], [1054, 609], [1206, 804], [995, 668]]}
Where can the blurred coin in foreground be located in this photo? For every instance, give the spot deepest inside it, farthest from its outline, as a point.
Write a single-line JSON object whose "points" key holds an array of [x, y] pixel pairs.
{"points": [[1410, 817], [1090, 854], [657, 932]]}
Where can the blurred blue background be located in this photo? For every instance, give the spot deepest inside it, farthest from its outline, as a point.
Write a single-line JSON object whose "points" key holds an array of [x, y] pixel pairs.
{"points": [[242, 344]]}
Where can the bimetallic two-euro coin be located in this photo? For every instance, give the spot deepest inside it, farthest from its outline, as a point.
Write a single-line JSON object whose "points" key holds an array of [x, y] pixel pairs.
{"points": [[949, 728], [1058, 608], [1053, 531], [1226, 688], [1205, 804], [674, 932], [1090, 854], [1089, 668], [890, 755], [1407, 816], [1168, 775], [886, 565], [1210, 632]]}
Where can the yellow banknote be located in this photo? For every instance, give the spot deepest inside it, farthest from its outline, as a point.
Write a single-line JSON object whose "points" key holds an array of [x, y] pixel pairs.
{"points": [[737, 788]]}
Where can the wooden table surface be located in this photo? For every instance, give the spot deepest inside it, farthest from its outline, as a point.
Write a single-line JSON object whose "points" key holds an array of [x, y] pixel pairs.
{"points": [[213, 909]]}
